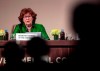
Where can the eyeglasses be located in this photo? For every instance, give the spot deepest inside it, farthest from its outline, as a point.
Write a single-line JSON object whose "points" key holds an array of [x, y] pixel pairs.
{"points": [[27, 16]]}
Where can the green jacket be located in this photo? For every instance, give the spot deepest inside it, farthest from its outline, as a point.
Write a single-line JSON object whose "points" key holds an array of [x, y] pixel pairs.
{"points": [[21, 28]]}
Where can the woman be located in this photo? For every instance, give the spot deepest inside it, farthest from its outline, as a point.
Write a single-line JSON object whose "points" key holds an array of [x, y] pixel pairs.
{"points": [[27, 18]]}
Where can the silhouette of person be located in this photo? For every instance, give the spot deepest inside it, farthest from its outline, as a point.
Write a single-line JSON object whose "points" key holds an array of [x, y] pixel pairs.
{"points": [[37, 48], [85, 19], [13, 55]]}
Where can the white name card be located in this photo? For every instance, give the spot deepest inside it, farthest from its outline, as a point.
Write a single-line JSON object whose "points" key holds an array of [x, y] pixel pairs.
{"points": [[27, 36]]}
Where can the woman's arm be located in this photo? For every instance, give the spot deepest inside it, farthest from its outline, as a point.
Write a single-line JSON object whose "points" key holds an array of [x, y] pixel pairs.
{"points": [[44, 33], [16, 29]]}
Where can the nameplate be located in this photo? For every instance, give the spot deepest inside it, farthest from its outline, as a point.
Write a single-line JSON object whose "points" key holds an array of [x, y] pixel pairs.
{"points": [[27, 36]]}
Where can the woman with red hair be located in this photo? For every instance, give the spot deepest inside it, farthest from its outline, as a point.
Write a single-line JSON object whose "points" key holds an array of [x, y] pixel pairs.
{"points": [[27, 20]]}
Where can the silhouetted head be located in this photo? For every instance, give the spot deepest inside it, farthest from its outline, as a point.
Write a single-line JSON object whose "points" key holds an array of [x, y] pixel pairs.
{"points": [[37, 47], [85, 20], [12, 52]]}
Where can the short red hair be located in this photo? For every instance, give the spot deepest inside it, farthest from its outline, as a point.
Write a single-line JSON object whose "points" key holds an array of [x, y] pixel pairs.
{"points": [[25, 11]]}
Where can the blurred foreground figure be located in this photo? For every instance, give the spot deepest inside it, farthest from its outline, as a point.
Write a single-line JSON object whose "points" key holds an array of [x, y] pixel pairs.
{"points": [[85, 23], [13, 55], [37, 48]]}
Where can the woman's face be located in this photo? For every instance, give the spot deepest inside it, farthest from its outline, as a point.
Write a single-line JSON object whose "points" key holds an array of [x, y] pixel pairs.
{"points": [[27, 19]]}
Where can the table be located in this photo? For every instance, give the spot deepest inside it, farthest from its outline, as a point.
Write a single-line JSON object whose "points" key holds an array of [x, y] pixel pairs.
{"points": [[58, 48]]}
